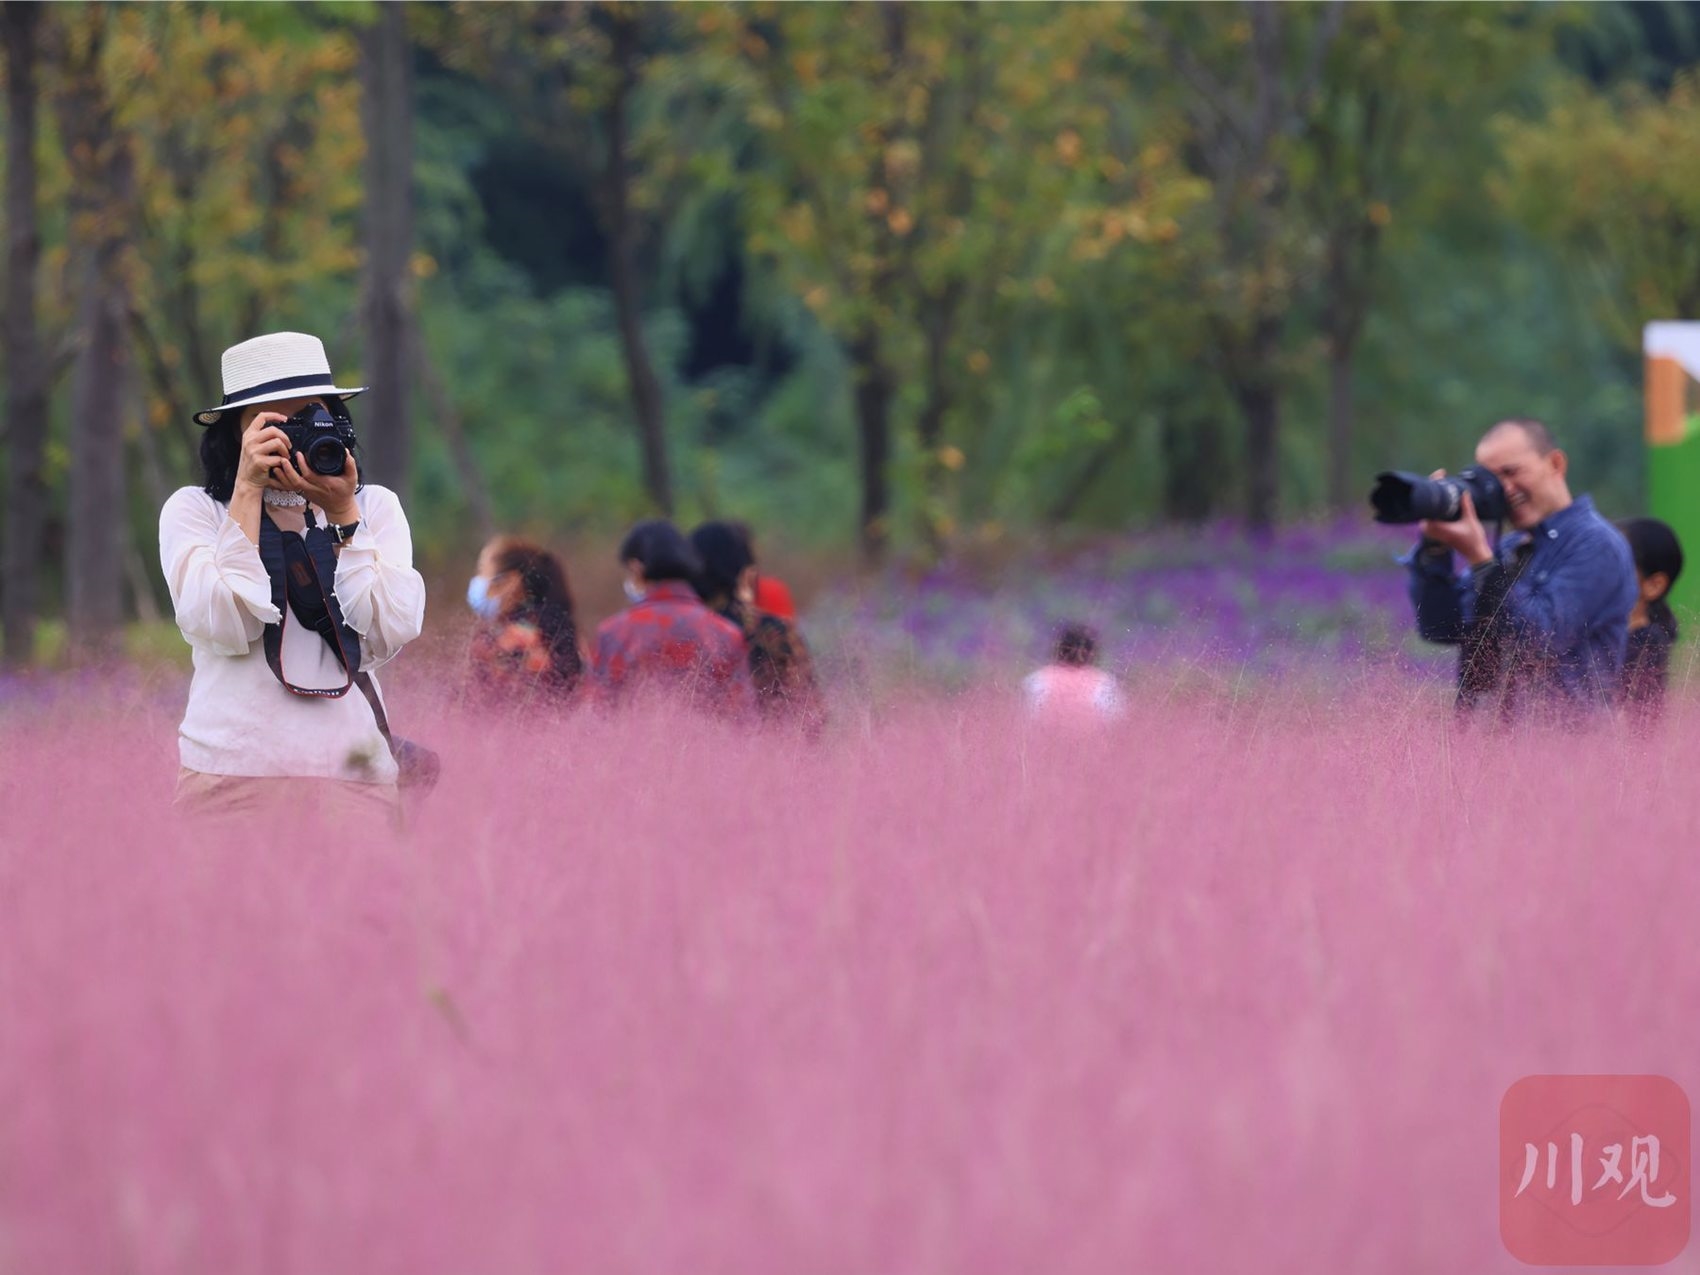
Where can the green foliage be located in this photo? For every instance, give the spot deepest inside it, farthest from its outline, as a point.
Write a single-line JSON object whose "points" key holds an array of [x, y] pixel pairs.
{"points": [[1606, 176], [921, 183], [247, 149], [540, 383], [1039, 221]]}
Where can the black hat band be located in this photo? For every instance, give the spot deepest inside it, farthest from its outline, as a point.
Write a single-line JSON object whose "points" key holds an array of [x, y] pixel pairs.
{"points": [[269, 388]]}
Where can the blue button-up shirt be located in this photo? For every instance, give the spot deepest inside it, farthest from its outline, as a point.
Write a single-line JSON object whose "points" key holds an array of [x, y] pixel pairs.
{"points": [[1563, 617]]}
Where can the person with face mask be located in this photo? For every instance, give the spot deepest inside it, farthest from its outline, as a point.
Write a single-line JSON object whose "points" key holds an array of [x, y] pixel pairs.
{"points": [[483, 603], [526, 648], [1541, 618], [668, 642]]}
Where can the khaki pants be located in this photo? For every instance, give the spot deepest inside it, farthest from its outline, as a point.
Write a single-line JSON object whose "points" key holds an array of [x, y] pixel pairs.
{"points": [[333, 800]]}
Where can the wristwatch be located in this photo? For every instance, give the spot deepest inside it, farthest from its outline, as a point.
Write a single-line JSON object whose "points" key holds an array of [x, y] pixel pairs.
{"points": [[342, 533]]}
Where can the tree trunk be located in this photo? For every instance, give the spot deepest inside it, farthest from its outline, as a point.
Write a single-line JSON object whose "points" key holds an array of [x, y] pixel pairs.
{"points": [[1192, 467], [1261, 405], [930, 423], [1256, 387], [386, 112], [102, 199], [470, 472], [1342, 355], [621, 230], [99, 410], [874, 391], [26, 383], [141, 583], [1347, 279]]}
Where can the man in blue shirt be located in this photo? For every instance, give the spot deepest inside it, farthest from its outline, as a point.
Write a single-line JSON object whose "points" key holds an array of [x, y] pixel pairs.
{"points": [[1544, 618]]}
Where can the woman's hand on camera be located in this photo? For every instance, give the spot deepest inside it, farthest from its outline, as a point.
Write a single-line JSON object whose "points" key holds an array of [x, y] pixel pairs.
{"points": [[265, 448], [334, 493]]}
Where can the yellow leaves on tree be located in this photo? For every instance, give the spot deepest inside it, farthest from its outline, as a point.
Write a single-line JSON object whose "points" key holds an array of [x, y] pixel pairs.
{"points": [[1609, 177], [247, 161], [943, 152]]}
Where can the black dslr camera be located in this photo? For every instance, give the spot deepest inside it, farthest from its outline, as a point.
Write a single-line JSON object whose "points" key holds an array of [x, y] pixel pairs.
{"points": [[1402, 497], [323, 436]]}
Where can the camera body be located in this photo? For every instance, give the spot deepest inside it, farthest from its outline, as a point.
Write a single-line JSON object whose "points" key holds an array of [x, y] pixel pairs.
{"points": [[322, 436], [1401, 497]]}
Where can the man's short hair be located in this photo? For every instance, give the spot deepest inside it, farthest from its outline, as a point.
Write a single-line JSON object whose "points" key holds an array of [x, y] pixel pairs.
{"points": [[1539, 436], [662, 551]]}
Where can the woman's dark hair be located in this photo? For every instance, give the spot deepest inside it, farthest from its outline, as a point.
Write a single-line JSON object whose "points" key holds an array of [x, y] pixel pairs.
{"points": [[221, 450], [1076, 645], [743, 532], [725, 551], [546, 602], [1654, 546], [542, 579], [662, 551]]}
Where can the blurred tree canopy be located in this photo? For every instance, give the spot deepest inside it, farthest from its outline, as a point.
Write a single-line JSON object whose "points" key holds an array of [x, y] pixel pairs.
{"points": [[898, 276]]}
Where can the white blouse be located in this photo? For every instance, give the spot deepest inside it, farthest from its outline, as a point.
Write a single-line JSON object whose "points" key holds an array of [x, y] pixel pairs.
{"points": [[240, 719]]}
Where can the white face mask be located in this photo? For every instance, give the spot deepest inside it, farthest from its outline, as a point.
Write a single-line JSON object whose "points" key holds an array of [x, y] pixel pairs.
{"points": [[479, 599], [633, 591]]}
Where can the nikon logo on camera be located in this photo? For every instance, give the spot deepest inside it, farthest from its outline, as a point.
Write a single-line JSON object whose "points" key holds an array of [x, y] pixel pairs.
{"points": [[322, 438]]}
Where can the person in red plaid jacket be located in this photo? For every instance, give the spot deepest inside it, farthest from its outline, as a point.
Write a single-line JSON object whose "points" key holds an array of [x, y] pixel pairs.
{"points": [[667, 640]]}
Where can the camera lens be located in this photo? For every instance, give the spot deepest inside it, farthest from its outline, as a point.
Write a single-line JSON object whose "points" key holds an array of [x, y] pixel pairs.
{"points": [[327, 456]]}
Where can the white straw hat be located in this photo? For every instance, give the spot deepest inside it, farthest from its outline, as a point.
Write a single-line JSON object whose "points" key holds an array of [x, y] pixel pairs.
{"points": [[276, 366]]}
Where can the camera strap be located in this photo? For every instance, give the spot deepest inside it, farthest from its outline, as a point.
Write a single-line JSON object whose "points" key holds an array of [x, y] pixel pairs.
{"points": [[298, 567]]}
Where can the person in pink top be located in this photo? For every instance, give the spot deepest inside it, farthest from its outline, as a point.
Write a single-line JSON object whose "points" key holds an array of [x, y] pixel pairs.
{"points": [[1071, 688]]}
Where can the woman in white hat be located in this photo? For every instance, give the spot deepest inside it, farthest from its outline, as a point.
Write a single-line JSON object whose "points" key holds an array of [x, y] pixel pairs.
{"points": [[290, 584]]}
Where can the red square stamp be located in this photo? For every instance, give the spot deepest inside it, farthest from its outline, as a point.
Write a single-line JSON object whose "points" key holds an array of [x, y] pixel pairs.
{"points": [[1594, 1170]]}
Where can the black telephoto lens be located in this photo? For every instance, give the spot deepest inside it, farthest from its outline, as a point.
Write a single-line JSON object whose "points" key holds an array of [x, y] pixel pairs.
{"points": [[1401, 497]]}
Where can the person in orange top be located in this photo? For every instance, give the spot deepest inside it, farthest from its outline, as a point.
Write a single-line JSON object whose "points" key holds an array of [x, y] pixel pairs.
{"points": [[528, 643]]}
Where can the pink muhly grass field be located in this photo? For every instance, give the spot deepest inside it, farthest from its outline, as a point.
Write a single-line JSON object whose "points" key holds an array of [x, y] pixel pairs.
{"points": [[1237, 987]]}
